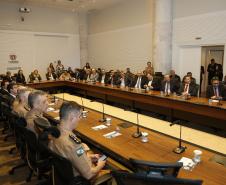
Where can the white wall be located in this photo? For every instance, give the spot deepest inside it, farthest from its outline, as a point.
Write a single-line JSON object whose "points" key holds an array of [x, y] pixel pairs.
{"points": [[35, 50], [210, 27], [121, 36], [40, 19], [185, 8], [45, 36]]}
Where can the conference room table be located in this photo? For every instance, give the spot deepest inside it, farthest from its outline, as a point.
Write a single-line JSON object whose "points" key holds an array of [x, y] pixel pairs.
{"points": [[159, 147], [197, 110]]}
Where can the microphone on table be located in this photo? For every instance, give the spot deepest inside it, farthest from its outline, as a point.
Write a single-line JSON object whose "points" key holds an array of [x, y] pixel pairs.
{"points": [[137, 133], [83, 108], [103, 119], [179, 149]]}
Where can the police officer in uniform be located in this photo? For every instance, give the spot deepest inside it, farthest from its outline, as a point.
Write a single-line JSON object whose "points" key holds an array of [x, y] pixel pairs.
{"points": [[38, 103], [71, 148]]}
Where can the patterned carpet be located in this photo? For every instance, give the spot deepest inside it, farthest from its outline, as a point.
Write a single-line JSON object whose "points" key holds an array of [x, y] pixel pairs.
{"points": [[7, 161]]}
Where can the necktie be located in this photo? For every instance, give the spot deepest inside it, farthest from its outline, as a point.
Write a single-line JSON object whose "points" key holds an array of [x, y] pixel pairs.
{"points": [[186, 88], [216, 92], [166, 89]]}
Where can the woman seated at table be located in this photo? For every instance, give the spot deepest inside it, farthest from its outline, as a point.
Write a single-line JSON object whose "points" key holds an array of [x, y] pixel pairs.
{"points": [[35, 76], [65, 76], [50, 75], [20, 77], [52, 67]]}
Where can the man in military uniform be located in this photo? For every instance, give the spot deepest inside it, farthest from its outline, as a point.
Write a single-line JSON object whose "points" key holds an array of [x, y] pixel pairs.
{"points": [[71, 148], [38, 103]]}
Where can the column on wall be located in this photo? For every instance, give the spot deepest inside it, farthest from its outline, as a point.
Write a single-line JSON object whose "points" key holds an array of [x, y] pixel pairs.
{"points": [[83, 36], [162, 41]]}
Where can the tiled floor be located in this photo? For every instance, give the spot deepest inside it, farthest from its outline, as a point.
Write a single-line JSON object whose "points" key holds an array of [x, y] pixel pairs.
{"points": [[7, 161]]}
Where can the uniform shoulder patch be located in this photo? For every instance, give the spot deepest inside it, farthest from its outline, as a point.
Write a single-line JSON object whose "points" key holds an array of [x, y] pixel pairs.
{"points": [[80, 151]]}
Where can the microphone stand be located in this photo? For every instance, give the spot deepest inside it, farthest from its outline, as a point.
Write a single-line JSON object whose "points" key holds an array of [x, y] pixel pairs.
{"points": [[179, 149], [83, 108], [103, 119], [137, 133]]}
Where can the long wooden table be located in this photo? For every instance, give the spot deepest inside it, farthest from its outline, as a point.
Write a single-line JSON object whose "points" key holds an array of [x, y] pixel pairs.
{"points": [[158, 149], [197, 110]]}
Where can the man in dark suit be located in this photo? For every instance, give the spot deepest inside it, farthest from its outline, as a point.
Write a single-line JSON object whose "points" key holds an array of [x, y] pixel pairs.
{"points": [[8, 77], [193, 80], [76, 74], [102, 76], [216, 90], [139, 81], [150, 83], [224, 82], [169, 86], [3, 90], [211, 70], [219, 71], [128, 78], [188, 88], [174, 76], [109, 77]]}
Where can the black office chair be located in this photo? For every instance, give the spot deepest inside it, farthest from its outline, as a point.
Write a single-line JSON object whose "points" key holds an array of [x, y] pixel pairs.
{"points": [[197, 89], [126, 178], [156, 169], [62, 172], [36, 164], [20, 125], [6, 112]]}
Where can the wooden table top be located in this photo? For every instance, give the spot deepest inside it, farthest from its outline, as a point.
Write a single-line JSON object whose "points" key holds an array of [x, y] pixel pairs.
{"points": [[194, 100], [158, 149]]}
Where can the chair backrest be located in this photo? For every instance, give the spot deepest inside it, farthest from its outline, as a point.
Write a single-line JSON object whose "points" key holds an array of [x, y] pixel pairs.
{"points": [[20, 124], [126, 178], [157, 169], [32, 147], [197, 89], [62, 172]]}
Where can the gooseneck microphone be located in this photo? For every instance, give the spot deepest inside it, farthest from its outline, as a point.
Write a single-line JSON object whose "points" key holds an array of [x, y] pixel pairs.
{"points": [[103, 119], [83, 108], [137, 133], [179, 149]]}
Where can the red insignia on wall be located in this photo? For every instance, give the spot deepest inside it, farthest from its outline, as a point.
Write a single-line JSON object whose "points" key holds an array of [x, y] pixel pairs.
{"points": [[12, 57]]}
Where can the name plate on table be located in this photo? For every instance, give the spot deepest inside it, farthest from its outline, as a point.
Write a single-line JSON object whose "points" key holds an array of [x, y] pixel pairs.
{"points": [[99, 127], [112, 134]]}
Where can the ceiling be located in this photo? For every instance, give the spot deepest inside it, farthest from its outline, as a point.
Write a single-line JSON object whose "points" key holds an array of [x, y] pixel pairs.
{"points": [[70, 5]]}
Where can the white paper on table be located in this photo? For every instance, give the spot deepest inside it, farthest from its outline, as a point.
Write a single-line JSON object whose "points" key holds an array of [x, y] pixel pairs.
{"points": [[99, 127], [112, 134], [56, 111], [50, 109], [187, 163], [57, 118]]}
